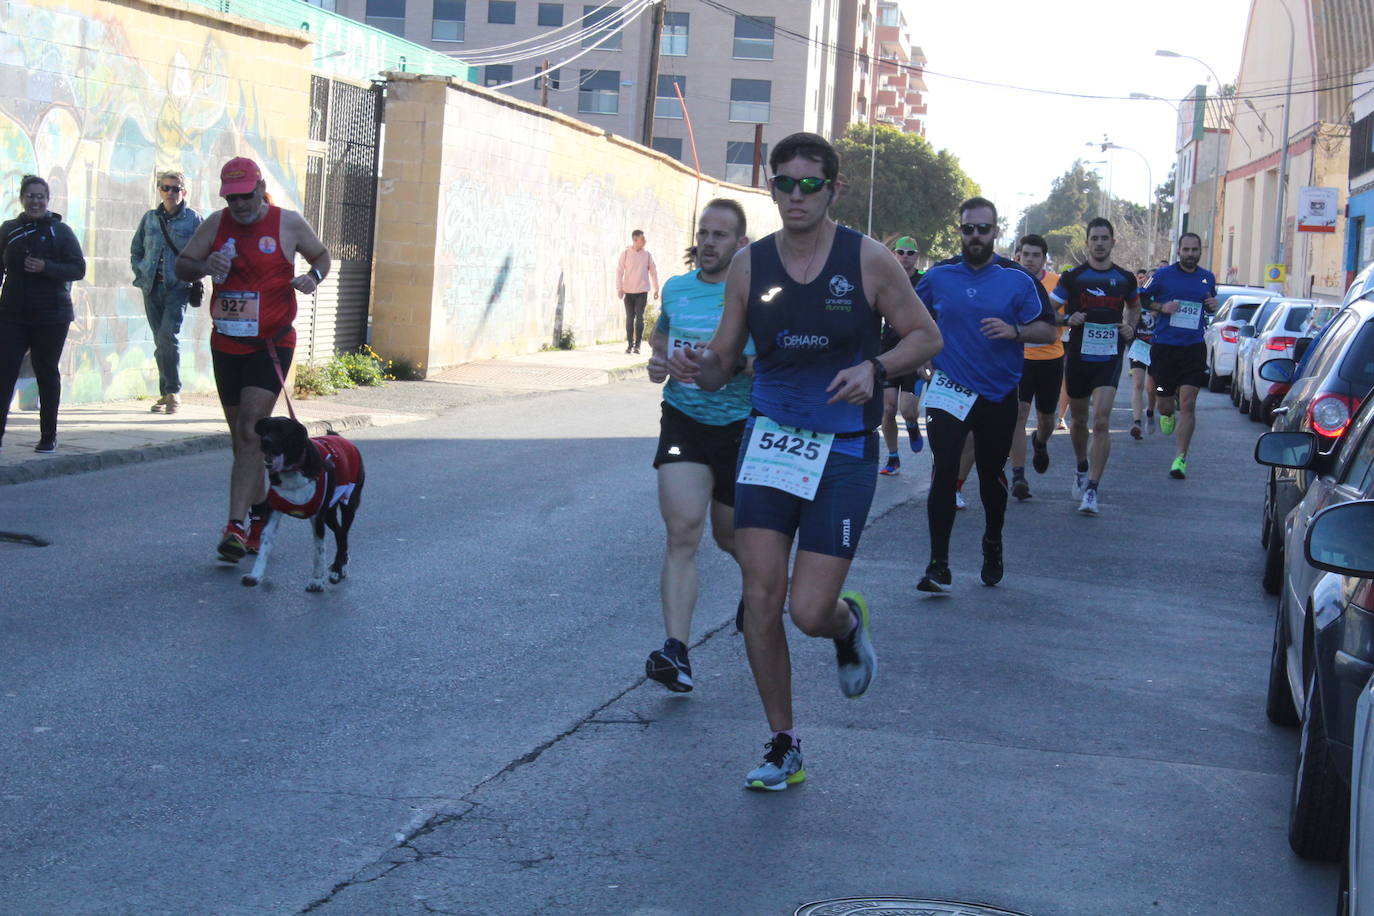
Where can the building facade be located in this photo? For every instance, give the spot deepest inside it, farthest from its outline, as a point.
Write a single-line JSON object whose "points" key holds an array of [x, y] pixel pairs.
{"points": [[900, 99], [1204, 136], [1359, 249], [773, 64]]}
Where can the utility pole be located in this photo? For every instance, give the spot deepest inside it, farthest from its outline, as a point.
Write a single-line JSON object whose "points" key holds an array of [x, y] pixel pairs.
{"points": [[544, 85], [651, 84], [758, 155]]}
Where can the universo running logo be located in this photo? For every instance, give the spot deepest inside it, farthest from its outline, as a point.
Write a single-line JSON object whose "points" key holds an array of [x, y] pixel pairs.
{"points": [[789, 341]]}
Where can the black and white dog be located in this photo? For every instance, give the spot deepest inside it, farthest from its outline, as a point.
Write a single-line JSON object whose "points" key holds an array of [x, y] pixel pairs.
{"points": [[320, 479]]}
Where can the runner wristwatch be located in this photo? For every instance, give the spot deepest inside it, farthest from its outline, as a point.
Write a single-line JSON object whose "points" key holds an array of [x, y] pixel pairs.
{"points": [[879, 371]]}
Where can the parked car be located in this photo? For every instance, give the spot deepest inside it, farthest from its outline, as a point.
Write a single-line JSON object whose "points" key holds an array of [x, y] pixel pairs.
{"points": [[1361, 286], [1356, 896], [1275, 338], [1243, 343], [1337, 377], [1322, 653], [1226, 290], [1222, 336]]}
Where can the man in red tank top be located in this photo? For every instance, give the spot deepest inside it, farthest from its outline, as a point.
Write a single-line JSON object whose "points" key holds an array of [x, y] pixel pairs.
{"points": [[250, 249]]}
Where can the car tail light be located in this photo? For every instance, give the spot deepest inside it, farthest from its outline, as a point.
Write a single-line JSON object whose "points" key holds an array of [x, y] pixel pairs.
{"points": [[1279, 389], [1230, 334], [1330, 414], [1281, 343]]}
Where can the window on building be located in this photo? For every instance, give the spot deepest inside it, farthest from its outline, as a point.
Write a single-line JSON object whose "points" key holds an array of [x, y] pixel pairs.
{"points": [[1362, 146], [674, 43], [387, 15], [672, 146], [749, 100], [450, 20], [739, 162], [551, 14], [754, 37], [889, 15], [608, 18], [599, 92], [666, 104], [501, 12], [323, 4], [497, 74], [555, 78]]}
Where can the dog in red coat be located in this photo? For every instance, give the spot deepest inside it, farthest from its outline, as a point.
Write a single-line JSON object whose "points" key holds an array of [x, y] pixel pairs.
{"points": [[319, 479]]}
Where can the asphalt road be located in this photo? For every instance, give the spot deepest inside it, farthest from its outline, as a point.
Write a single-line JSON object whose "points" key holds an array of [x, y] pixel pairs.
{"points": [[463, 727]]}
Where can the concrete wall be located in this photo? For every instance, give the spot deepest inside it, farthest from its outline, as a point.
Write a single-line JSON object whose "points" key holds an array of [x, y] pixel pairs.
{"points": [[96, 97], [500, 222]]}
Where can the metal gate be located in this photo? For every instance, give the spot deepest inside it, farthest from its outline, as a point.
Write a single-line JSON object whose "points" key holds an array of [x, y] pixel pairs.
{"points": [[341, 203]]}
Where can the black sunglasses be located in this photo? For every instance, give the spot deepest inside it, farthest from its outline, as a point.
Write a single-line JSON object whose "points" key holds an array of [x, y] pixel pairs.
{"points": [[977, 228], [235, 198], [172, 188], [908, 252], [785, 184]]}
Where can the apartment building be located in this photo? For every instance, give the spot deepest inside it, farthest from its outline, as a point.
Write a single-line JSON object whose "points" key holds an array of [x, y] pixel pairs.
{"points": [[1202, 145], [899, 98], [737, 64]]}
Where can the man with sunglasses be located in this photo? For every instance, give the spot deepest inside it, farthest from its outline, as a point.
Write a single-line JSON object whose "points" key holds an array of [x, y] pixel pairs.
{"points": [[987, 308], [159, 238], [1102, 309], [905, 250], [250, 249], [811, 297]]}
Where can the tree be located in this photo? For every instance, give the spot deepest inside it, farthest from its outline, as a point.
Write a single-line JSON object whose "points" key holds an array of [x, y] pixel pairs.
{"points": [[1075, 197], [916, 189]]}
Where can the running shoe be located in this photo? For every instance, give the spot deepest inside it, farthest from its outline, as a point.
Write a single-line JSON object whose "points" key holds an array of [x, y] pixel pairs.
{"points": [[1089, 504], [173, 403], [1080, 483], [1063, 423], [781, 767], [1136, 432], [233, 543], [1019, 488], [1166, 424], [46, 445], [913, 436], [670, 667], [854, 654], [1149, 423], [739, 616], [992, 562], [959, 501], [892, 468], [1179, 470], [938, 580], [1040, 454]]}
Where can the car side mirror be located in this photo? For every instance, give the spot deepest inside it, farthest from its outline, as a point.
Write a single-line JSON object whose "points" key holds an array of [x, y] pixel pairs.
{"points": [[1338, 539], [1286, 450], [1247, 330], [1278, 370]]}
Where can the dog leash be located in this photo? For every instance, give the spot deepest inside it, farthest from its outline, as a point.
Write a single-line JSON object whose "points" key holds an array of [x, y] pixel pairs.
{"points": [[281, 376]]}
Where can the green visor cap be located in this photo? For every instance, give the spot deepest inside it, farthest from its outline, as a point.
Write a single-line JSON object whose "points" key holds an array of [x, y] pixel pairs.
{"points": [[905, 241]]}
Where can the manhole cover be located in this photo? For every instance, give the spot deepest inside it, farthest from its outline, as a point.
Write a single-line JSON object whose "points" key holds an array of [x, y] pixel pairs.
{"points": [[899, 906]]}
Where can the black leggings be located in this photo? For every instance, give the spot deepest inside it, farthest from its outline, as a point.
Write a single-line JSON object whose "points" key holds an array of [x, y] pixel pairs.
{"points": [[634, 317], [44, 343], [992, 424]]}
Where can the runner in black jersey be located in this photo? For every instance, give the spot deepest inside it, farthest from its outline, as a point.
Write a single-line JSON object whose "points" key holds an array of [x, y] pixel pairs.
{"points": [[910, 385], [1101, 308], [811, 296]]}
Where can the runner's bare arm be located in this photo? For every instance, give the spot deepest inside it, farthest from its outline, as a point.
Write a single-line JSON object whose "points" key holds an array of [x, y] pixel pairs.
{"points": [[300, 239], [193, 262], [715, 364], [658, 345], [1130, 317]]}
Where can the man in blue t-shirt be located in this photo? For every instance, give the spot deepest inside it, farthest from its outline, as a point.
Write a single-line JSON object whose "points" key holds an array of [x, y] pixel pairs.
{"points": [[1180, 293], [1101, 308], [699, 433], [987, 308]]}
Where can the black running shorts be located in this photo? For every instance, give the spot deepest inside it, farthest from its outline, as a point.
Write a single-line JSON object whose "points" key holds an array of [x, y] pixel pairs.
{"points": [[237, 371], [680, 438], [1082, 378], [1173, 367], [1040, 382]]}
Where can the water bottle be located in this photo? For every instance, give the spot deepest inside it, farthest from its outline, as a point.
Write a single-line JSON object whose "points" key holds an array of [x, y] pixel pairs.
{"points": [[230, 249]]}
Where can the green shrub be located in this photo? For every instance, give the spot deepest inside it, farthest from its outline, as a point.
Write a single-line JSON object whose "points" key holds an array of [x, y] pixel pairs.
{"points": [[364, 367], [403, 370], [312, 381]]}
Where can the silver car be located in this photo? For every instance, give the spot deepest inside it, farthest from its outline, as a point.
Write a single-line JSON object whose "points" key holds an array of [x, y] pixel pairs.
{"points": [[1223, 336], [1283, 325]]}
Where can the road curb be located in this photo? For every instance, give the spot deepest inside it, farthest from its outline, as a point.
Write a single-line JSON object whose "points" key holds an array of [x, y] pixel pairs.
{"points": [[65, 465]]}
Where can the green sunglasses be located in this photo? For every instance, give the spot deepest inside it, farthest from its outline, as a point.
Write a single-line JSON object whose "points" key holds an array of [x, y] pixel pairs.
{"points": [[785, 184]]}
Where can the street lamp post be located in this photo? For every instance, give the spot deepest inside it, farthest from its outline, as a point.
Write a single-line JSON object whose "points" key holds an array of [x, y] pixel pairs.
{"points": [[872, 168], [1150, 197], [1218, 181], [1283, 140]]}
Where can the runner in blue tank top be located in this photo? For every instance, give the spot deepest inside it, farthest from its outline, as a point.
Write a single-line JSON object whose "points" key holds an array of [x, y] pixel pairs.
{"points": [[811, 297]]}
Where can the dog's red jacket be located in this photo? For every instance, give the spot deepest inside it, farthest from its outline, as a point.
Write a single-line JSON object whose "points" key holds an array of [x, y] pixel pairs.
{"points": [[338, 477]]}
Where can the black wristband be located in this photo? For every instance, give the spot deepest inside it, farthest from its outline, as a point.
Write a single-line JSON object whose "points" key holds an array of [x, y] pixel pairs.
{"points": [[879, 371], [315, 272]]}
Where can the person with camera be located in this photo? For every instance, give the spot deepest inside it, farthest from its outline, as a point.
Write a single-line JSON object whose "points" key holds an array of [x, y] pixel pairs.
{"points": [[39, 260], [161, 234]]}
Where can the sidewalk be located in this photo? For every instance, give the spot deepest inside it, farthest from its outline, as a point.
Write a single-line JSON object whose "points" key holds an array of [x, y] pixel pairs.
{"points": [[112, 433]]}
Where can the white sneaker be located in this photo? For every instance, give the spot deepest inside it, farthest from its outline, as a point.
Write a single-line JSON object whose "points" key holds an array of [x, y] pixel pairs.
{"points": [[1089, 504], [959, 501], [1080, 483]]}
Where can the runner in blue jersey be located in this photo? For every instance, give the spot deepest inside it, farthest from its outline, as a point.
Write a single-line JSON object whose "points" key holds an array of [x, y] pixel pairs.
{"points": [[987, 308], [699, 434], [1180, 293], [811, 296], [1101, 308]]}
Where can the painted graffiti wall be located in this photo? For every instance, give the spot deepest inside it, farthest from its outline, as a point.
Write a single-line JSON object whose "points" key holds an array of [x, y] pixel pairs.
{"points": [[97, 97], [500, 223]]}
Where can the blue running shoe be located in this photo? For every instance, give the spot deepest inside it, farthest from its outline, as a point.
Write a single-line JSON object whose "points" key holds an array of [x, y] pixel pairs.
{"points": [[913, 435], [854, 653], [781, 767]]}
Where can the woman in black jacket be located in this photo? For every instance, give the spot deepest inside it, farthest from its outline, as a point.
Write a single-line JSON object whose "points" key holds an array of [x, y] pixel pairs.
{"points": [[39, 259]]}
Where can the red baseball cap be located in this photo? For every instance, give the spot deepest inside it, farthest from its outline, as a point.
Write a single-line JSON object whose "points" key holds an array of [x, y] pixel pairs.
{"points": [[239, 176]]}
